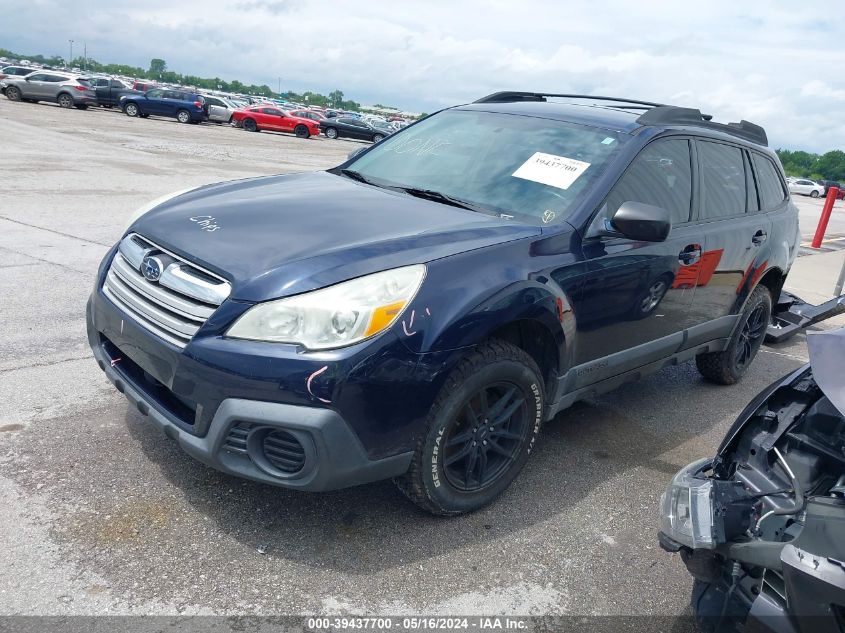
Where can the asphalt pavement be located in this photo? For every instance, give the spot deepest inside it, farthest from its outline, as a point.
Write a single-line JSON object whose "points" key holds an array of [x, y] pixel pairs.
{"points": [[103, 514]]}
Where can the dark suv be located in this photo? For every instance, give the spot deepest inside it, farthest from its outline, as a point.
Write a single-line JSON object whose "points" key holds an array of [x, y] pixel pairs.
{"points": [[184, 106], [421, 310]]}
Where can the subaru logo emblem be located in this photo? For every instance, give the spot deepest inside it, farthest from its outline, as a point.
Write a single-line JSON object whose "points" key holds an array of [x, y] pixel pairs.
{"points": [[151, 268]]}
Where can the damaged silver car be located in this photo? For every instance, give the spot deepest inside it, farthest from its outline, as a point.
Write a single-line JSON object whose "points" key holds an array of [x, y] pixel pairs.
{"points": [[761, 526]]}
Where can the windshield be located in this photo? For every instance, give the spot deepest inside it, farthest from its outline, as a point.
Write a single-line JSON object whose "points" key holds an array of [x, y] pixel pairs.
{"points": [[529, 168]]}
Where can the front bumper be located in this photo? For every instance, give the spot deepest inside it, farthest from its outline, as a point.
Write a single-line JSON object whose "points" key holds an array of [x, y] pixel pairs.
{"points": [[334, 456]]}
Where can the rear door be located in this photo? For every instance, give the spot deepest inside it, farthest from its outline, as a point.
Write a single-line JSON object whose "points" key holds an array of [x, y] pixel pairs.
{"points": [[639, 294], [736, 236]]}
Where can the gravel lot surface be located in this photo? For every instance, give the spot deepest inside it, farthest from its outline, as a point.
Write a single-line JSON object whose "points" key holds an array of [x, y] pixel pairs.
{"points": [[102, 514]]}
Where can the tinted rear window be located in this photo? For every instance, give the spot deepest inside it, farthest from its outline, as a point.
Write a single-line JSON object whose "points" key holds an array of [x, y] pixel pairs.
{"points": [[722, 180]]}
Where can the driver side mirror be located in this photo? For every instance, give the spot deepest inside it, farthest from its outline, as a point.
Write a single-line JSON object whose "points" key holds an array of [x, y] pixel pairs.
{"points": [[640, 222]]}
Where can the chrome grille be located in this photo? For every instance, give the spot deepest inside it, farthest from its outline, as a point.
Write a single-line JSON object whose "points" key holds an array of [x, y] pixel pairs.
{"points": [[174, 306]]}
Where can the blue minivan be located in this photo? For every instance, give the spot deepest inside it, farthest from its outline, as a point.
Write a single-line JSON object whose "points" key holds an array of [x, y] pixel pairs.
{"points": [[419, 311], [185, 107]]}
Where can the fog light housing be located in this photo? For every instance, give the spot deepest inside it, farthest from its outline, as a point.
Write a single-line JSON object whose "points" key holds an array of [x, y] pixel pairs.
{"points": [[686, 508]]}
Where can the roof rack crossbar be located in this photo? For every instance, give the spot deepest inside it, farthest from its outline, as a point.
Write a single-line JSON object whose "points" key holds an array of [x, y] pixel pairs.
{"points": [[507, 96]]}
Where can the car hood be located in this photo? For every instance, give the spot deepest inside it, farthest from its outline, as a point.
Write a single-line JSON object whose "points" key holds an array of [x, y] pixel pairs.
{"points": [[282, 235]]}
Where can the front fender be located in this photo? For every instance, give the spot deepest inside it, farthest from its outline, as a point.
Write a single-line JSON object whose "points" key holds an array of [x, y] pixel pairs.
{"points": [[457, 308]]}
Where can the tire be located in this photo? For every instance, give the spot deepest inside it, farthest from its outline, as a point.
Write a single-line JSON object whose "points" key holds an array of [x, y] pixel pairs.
{"points": [[301, 131], [648, 301], [249, 125], [65, 100], [377, 137], [727, 367], [814, 194], [450, 472], [13, 93], [131, 109], [331, 132], [183, 116]]}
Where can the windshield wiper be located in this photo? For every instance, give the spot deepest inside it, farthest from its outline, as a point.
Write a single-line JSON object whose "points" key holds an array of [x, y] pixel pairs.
{"points": [[437, 196], [354, 175]]}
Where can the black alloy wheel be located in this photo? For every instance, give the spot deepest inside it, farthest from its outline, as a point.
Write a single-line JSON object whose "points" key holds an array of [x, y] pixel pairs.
{"points": [[485, 438]]}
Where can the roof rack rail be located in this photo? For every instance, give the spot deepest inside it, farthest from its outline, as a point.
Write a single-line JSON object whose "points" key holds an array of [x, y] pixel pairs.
{"points": [[672, 115], [655, 113], [511, 96]]}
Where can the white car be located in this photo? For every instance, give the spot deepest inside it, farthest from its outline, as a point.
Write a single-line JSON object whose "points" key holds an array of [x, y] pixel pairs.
{"points": [[219, 110], [805, 187]]}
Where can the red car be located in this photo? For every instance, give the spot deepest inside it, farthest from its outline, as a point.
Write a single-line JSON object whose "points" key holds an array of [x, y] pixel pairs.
{"points": [[263, 117]]}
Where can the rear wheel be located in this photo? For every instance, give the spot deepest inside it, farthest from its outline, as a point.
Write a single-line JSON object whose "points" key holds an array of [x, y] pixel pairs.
{"points": [[301, 131], [249, 125], [13, 93], [131, 109], [727, 367], [480, 431], [183, 116], [331, 132], [65, 100], [377, 137], [814, 194]]}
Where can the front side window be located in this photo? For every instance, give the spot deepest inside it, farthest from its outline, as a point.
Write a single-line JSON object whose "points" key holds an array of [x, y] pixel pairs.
{"points": [[155, 93], [38, 77], [772, 193], [529, 168], [723, 181], [661, 176]]}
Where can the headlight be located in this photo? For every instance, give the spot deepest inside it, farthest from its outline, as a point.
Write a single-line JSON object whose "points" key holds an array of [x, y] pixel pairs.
{"points": [[152, 205], [336, 316], [686, 508]]}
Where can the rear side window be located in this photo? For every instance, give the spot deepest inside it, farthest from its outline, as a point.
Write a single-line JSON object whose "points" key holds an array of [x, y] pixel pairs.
{"points": [[724, 193], [660, 175], [769, 182]]}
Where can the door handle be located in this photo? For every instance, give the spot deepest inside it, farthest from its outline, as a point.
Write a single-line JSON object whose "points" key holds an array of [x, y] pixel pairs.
{"points": [[759, 237], [690, 255]]}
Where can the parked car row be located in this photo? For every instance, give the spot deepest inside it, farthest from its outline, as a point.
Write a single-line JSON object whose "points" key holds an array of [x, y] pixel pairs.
{"points": [[186, 106], [807, 187]]}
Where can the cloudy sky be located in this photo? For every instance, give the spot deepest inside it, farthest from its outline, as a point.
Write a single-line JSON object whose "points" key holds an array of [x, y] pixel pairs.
{"points": [[775, 63]]}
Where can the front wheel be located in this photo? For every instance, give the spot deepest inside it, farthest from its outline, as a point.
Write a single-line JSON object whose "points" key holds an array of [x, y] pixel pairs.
{"points": [[65, 100], [301, 131], [131, 109], [727, 367], [13, 94], [480, 431], [377, 137], [183, 116]]}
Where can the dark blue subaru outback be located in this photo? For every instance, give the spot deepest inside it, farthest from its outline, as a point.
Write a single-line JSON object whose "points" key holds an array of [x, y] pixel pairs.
{"points": [[419, 311]]}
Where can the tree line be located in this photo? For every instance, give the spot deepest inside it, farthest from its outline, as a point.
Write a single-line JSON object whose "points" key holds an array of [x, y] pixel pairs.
{"points": [[159, 72], [827, 166]]}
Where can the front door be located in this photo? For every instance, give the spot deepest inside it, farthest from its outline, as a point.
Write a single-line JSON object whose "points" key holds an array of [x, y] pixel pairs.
{"points": [[639, 294]]}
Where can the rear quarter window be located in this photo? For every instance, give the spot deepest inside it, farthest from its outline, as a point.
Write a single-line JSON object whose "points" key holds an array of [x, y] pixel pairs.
{"points": [[772, 192]]}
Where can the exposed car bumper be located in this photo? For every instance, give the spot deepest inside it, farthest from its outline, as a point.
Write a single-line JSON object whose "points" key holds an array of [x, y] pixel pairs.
{"points": [[333, 456]]}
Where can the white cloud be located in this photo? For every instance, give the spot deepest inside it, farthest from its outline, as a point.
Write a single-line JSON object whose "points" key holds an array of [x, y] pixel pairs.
{"points": [[775, 65]]}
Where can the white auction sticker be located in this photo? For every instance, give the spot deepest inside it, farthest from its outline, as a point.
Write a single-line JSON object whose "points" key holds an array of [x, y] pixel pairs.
{"points": [[548, 169]]}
